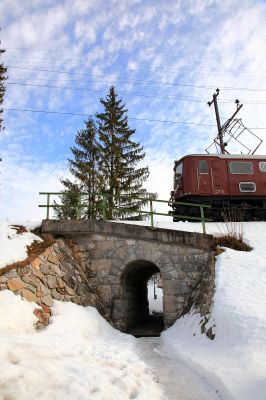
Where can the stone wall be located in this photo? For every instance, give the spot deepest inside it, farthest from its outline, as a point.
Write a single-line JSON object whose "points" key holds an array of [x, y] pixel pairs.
{"points": [[109, 270], [59, 273]]}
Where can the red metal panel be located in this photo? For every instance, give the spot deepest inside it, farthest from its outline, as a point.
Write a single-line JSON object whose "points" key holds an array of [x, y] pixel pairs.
{"points": [[220, 182]]}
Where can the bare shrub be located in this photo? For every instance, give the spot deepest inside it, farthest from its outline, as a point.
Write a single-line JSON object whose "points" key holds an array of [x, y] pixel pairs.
{"points": [[232, 230]]}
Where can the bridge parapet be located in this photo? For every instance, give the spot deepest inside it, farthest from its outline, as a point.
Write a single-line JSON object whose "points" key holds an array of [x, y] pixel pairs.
{"points": [[125, 230]]}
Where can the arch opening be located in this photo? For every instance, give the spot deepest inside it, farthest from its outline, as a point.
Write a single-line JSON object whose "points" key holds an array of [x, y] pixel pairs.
{"points": [[139, 319]]}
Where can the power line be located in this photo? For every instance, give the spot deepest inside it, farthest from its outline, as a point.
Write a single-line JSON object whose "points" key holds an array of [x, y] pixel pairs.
{"points": [[90, 115], [142, 52], [212, 71], [148, 95], [131, 118], [141, 81]]}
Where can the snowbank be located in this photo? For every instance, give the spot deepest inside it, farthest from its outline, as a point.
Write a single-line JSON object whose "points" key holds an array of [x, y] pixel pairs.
{"points": [[14, 245], [235, 361], [79, 356]]}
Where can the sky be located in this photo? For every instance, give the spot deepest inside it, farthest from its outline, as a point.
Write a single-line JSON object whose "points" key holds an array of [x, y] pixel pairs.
{"points": [[165, 59]]}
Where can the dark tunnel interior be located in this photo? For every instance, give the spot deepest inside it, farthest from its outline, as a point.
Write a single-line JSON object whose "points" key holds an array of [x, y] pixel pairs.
{"points": [[135, 293]]}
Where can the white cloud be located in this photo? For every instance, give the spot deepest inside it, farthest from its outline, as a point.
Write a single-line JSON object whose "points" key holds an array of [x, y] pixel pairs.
{"points": [[204, 43]]}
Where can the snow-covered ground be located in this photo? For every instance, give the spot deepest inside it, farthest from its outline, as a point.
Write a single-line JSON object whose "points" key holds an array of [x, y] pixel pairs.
{"points": [[155, 304], [14, 245], [235, 361], [79, 356]]}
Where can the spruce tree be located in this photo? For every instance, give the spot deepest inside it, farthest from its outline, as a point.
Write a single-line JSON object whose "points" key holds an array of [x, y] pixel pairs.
{"points": [[84, 168], [3, 77], [120, 155]]}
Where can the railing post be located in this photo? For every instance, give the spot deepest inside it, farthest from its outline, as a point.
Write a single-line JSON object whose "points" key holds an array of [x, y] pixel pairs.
{"points": [[202, 219], [48, 206], [151, 212]]}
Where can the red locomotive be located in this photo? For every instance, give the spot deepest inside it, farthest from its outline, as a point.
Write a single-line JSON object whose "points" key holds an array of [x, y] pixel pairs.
{"points": [[223, 181]]}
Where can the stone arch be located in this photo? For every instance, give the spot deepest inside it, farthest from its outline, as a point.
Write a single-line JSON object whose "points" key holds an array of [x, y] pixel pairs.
{"points": [[134, 292]]}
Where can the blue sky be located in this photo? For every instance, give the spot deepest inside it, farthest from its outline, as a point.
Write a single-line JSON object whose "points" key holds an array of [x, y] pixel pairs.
{"points": [[165, 59]]}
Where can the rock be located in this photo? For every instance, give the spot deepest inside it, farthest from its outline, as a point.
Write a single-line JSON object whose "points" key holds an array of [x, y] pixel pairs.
{"points": [[15, 284], [51, 281], [60, 283], [24, 271], [43, 290], [76, 300], [44, 268], [69, 280], [28, 295], [70, 291], [53, 258], [36, 263], [104, 293], [42, 316], [3, 279], [11, 274], [48, 251], [48, 300], [32, 280], [31, 288], [55, 270], [46, 308], [55, 294], [39, 275]]}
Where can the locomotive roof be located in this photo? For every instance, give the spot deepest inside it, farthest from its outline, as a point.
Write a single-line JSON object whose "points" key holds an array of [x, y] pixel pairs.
{"points": [[228, 156]]}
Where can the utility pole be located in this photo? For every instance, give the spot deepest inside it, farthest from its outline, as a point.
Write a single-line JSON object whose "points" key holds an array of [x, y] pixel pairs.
{"points": [[222, 128]]}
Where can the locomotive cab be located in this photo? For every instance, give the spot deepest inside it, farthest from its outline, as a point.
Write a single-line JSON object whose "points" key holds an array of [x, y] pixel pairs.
{"points": [[221, 181]]}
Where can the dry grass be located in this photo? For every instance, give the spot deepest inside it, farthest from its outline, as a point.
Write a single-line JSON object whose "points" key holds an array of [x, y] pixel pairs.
{"points": [[19, 229], [233, 242]]}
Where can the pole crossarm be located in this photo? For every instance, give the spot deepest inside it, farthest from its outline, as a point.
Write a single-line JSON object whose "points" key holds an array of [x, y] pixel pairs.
{"points": [[150, 202]]}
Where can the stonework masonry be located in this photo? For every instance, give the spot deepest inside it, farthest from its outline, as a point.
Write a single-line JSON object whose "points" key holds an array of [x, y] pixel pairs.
{"points": [[107, 265]]}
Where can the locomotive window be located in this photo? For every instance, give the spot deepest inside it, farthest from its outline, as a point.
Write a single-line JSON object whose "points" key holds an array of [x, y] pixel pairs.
{"points": [[203, 167], [179, 169], [241, 167], [262, 166], [247, 187]]}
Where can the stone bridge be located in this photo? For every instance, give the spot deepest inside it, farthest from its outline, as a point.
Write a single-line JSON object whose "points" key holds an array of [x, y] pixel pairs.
{"points": [[120, 258]]}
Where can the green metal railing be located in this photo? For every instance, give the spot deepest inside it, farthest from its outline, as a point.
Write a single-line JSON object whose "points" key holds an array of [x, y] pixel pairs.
{"points": [[104, 207]]}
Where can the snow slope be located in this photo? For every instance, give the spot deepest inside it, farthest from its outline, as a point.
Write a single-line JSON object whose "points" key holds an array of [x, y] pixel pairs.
{"points": [[235, 361], [14, 245], [79, 356]]}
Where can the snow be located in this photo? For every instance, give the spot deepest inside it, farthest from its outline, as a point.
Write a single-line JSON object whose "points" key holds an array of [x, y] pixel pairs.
{"points": [[79, 355], [13, 245], [155, 305], [235, 361]]}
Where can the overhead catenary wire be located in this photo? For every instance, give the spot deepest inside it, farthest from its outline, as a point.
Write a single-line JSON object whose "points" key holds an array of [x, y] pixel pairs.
{"points": [[212, 71], [130, 118], [154, 95], [129, 80], [148, 95], [141, 53]]}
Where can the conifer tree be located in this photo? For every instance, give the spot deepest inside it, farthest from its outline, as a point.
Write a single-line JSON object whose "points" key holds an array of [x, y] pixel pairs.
{"points": [[84, 168], [120, 155], [3, 77]]}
